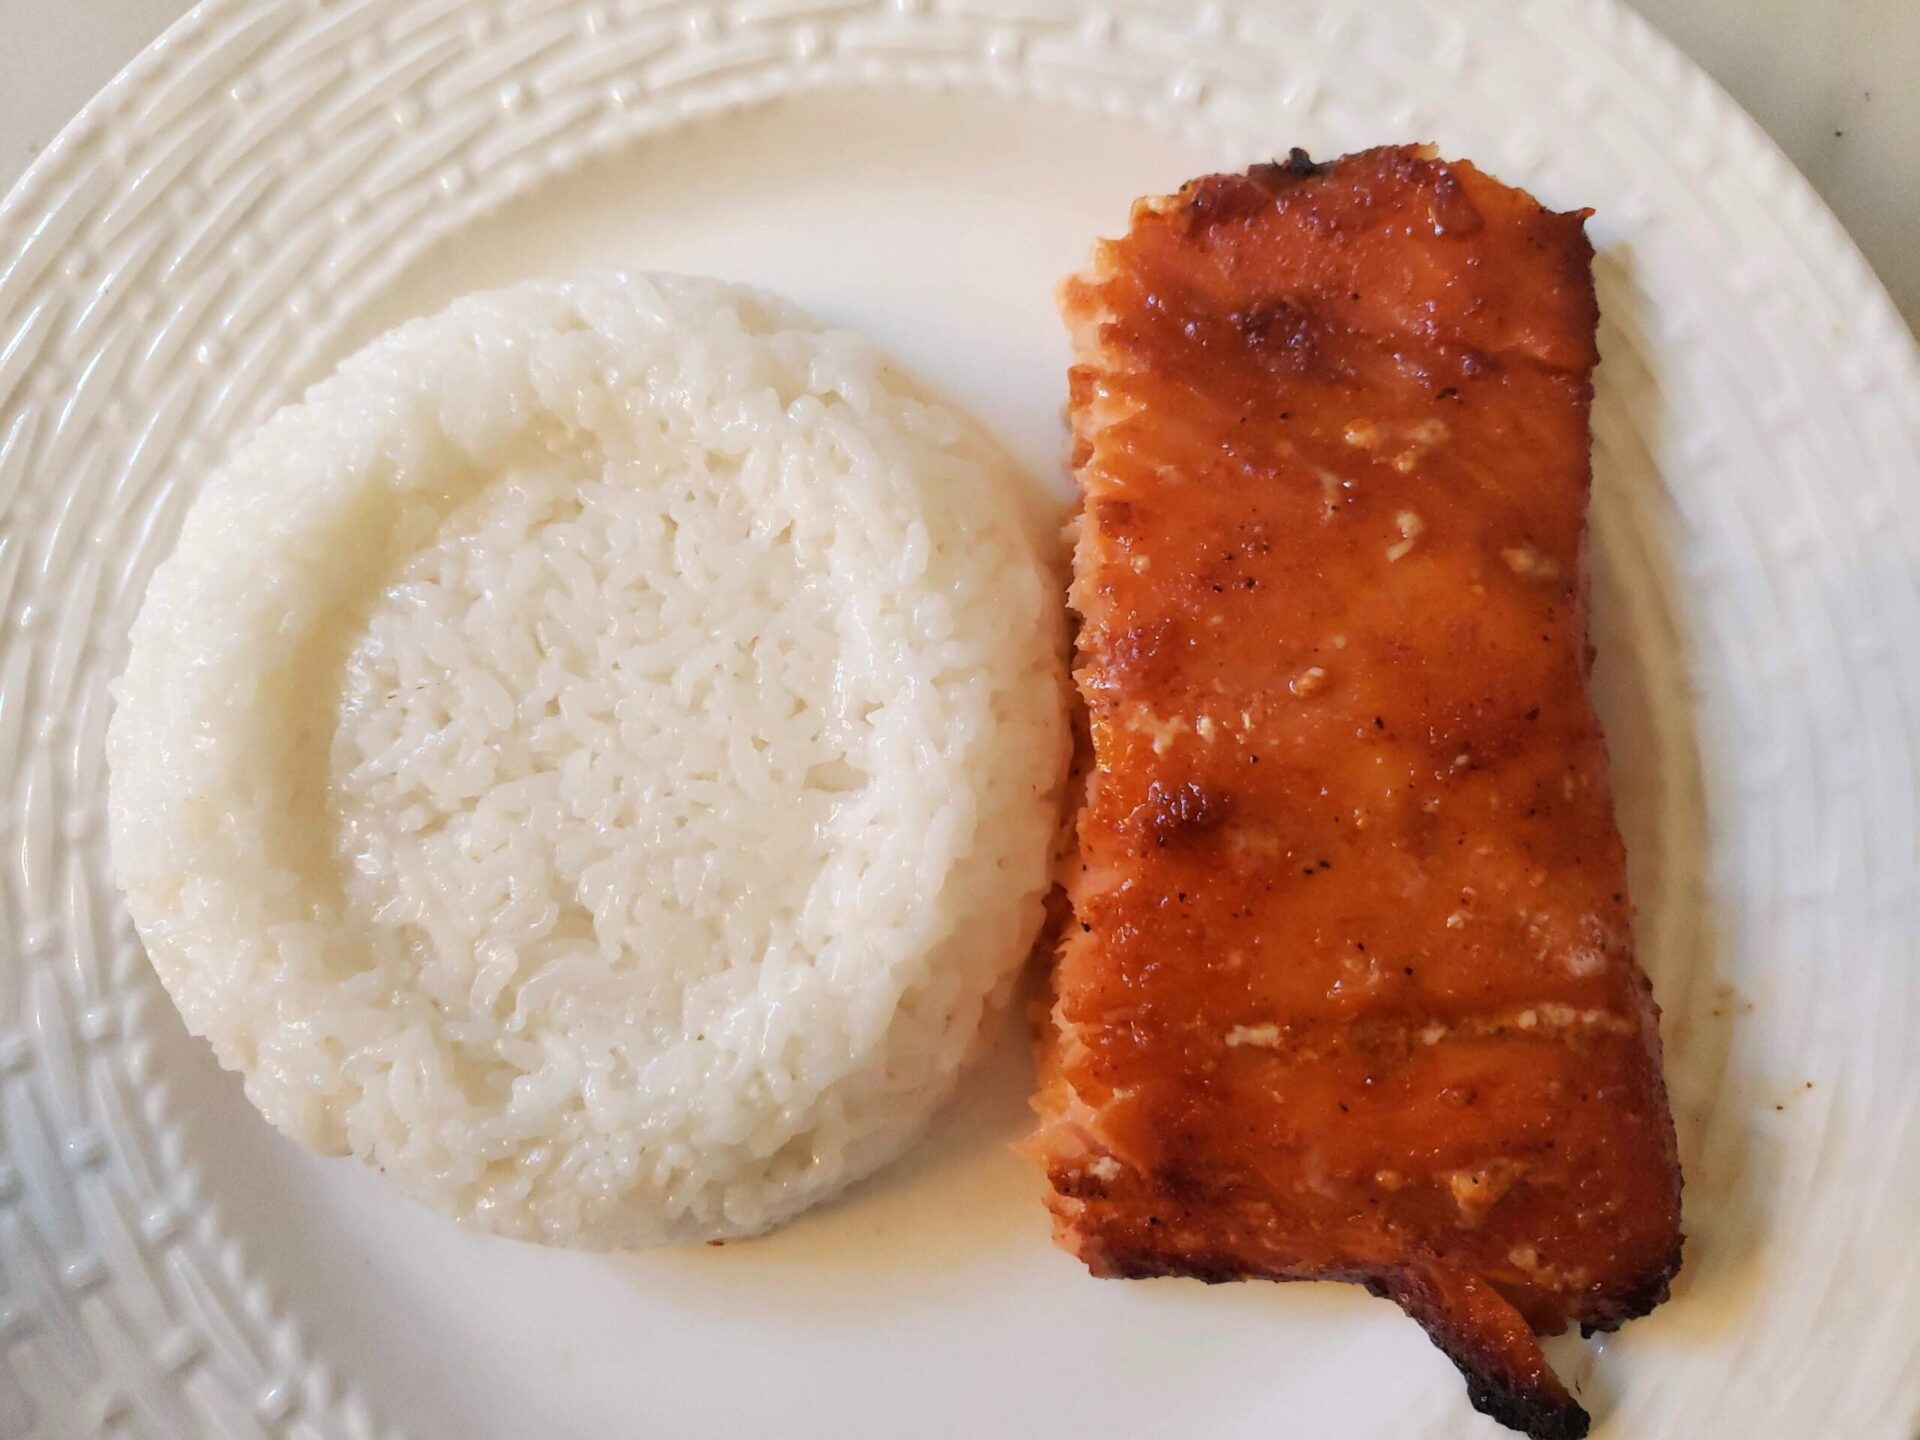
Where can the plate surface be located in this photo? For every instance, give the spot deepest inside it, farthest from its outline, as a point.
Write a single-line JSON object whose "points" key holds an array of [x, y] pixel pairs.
{"points": [[273, 183]]}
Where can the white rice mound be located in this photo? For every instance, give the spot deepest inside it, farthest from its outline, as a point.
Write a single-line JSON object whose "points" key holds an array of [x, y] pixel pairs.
{"points": [[596, 759]]}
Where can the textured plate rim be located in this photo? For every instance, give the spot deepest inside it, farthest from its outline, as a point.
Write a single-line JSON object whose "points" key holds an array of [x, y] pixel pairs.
{"points": [[1804, 220]]}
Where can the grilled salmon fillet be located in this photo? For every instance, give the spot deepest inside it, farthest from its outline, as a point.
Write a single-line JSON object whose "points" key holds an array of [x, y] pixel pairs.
{"points": [[1348, 989]]}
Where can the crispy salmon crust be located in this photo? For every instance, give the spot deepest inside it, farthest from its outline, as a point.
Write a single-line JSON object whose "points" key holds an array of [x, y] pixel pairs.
{"points": [[1348, 990]]}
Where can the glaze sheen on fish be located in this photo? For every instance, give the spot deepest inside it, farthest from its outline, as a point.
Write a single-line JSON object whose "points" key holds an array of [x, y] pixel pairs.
{"points": [[1349, 989]]}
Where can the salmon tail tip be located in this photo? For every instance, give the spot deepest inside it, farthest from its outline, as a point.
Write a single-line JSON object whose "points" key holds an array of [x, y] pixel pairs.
{"points": [[1476, 1327], [1538, 1416]]}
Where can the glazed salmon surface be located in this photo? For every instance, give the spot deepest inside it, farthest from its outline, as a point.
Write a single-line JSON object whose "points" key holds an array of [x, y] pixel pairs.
{"points": [[1349, 987]]}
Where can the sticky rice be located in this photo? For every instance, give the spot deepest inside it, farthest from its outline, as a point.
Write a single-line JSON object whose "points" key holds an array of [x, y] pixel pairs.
{"points": [[595, 758]]}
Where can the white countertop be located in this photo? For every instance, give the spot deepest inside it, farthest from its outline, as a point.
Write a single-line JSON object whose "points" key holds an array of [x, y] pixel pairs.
{"points": [[1833, 81]]}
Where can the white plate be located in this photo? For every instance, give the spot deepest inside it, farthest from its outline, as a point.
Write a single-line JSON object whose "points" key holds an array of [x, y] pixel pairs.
{"points": [[271, 184]]}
